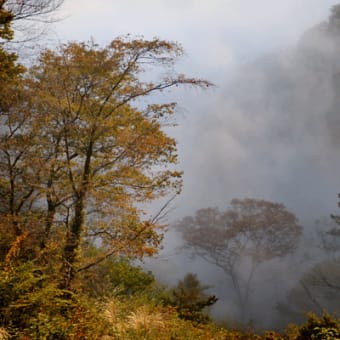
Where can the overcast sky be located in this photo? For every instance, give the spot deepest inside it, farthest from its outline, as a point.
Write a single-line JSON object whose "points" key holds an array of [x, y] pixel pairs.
{"points": [[214, 33], [225, 149]]}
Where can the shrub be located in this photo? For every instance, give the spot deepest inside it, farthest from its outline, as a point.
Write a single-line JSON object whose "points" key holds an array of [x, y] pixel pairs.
{"points": [[323, 328]]}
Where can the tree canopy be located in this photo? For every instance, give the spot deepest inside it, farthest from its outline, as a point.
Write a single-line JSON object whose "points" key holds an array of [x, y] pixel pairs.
{"points": [[83, 154], [240, 238]]}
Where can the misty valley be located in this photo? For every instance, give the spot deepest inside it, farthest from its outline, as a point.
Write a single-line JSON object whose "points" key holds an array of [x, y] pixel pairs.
{"points": [[119, 222]]}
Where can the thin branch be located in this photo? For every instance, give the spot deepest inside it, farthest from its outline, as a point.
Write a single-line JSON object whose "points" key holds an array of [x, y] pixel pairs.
{"points": [[311, 297], [162, 211]]}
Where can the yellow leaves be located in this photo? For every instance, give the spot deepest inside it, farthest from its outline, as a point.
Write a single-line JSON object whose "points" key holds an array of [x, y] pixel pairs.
{"points": [[14, 251], [149, 251], [4, 335], [149, 195]]}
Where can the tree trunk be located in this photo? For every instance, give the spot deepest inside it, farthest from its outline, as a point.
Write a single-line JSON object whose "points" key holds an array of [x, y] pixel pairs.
{"points": [[74, 235], [72, 243]]}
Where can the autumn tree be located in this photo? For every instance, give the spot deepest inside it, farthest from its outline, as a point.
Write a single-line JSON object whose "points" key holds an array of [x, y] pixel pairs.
{"points": [[11, 98], [17, 183], [9, 70], [100, 151], [239, 239]]}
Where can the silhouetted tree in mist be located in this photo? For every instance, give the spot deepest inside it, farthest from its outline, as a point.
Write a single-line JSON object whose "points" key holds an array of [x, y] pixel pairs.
{"points": [[239, 239], [318, 289], [321, 283]]}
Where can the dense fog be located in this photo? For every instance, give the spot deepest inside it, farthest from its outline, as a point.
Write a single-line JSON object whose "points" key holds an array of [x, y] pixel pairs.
{"points": [[270, 131]]}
